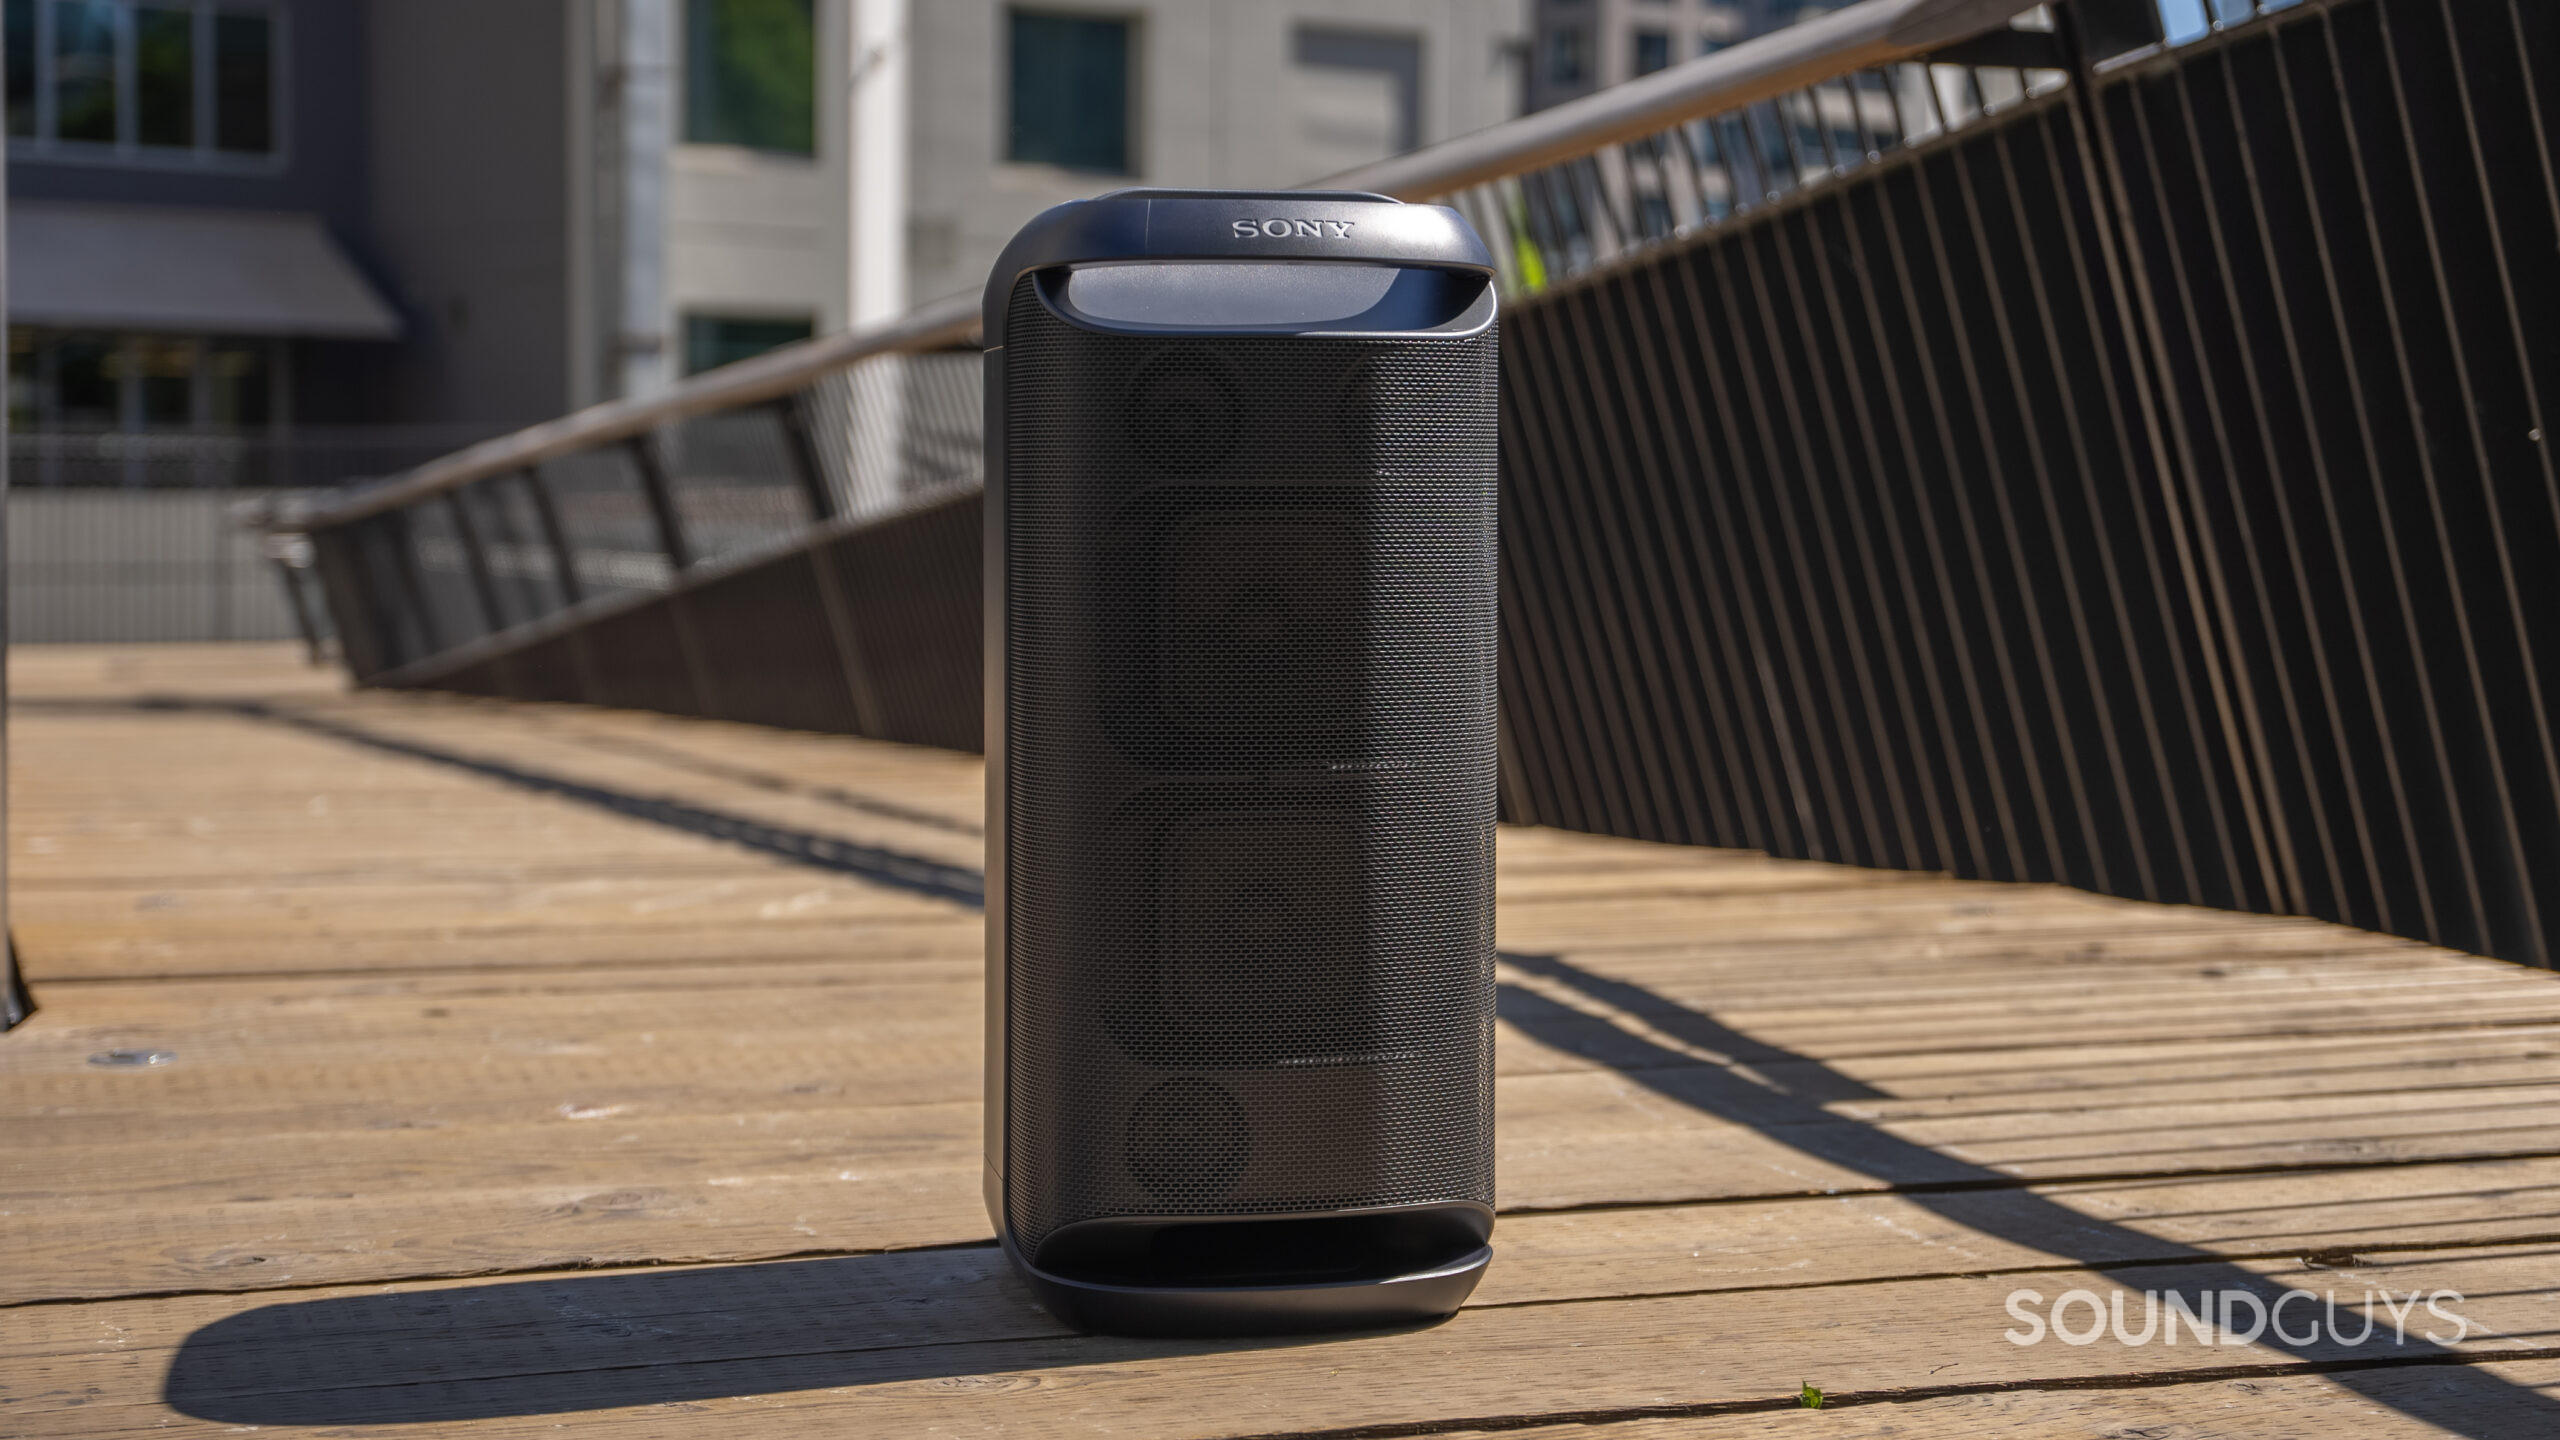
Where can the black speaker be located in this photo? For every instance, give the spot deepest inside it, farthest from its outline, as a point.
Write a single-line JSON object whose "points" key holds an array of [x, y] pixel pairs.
{"points": [[1240, 744]]}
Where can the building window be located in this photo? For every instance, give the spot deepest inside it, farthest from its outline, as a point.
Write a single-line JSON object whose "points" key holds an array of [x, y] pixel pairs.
{"points": [[158, 81], [1356, 96], [751, 74], [71, 380], [711, 341], [1069, 92], [1568, 57], [1653, 51], [243, 80]]}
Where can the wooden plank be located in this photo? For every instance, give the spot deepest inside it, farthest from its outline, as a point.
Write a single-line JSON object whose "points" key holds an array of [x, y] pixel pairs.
{"points": [[845, 1342], [471, 1030], [2404, 1403]]}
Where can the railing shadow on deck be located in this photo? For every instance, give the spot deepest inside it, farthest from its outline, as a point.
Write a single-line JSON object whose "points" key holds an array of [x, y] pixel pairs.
{"points": [[1795, 1113], [578, 1342], [565, 1343]]}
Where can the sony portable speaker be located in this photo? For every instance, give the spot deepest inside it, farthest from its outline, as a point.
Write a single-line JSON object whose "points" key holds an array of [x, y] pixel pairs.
{"points": [[1240, 740]]}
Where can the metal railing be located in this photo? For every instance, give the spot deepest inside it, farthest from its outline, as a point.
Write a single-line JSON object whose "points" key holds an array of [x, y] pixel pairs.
{"points": [[123, 536], [506, 544], [2038, 450]]}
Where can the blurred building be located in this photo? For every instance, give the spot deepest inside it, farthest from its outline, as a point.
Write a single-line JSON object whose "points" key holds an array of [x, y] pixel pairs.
{"points": [[1583, 45], [248, 214], [258, 243], [1019, 107]]}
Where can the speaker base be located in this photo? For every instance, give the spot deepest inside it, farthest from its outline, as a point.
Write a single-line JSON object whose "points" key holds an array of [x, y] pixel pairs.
{"points": [[1212, 1310]]}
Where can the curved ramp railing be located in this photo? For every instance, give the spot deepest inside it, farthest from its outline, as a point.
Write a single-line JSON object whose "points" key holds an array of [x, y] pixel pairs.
{"points": [[504, 546], [2077, 447]]}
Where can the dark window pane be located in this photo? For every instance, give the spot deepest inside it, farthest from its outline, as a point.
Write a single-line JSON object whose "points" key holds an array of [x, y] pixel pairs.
{"points": [[165, 369], [243, 84], [22, 377], [236, 372], [20, 43], [1070, 93], [1564, 57], [85, 371], [1653, 51], [84, 70], [711, 341], [164, 77], [750, 74]]}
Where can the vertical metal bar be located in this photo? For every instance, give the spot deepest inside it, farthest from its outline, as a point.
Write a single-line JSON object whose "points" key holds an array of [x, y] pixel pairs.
{"points": [[1524, 621], [1629, 559], [1883, 575], [2331, 417], [2083, 458], [651, 467], [2219, 426], [1903, 785], [564, 559], [1984, 376], [1784, 722], [1604, 733], [300, 604], [1934, 410], [15, 1003], [483, 587], [2108, 232], [2341, 900], [405, 547], [2503, 321], [2164, 428], [2481, 929], [2356, 415], [1760, 807], [1782, 428], [1718, 752], [800, 452]]}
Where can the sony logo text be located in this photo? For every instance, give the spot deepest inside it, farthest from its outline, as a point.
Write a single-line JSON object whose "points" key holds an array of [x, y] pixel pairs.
{"points": [[1284, 229]]}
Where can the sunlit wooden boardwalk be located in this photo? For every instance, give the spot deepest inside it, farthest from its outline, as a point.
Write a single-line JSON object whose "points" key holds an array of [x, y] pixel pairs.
{"points": [[543, 1068]]}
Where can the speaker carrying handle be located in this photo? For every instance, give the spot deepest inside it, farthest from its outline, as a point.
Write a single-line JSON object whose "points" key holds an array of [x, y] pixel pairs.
{"points": [[1339, 226]]}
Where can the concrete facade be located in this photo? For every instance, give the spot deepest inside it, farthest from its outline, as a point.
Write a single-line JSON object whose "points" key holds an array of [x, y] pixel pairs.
{"points": [[1586, 45], [1219, 101], [474, 159]]}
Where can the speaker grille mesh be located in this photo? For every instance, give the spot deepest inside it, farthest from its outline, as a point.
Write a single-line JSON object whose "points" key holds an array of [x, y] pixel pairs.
{"points": [[1250, 772]]}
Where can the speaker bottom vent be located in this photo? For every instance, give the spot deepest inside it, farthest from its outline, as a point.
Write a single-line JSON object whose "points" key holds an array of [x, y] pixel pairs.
{"points": [[1301, 1251]]}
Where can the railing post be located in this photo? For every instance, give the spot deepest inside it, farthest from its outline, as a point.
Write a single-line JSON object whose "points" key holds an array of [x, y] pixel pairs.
{"points": [[414, 589], [15, 1003], [2108, 28], [801, 449], [643, 450], [662, 505], [291, 555], [564, 564], [474, 556], [564, 560]]}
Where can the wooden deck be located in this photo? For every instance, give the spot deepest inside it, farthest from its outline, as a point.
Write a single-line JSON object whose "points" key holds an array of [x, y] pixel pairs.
{"points": [[543, 1068]]}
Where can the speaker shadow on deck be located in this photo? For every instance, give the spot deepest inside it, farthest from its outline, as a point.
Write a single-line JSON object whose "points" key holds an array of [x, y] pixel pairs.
{"points": [[563, 1344], [1784, 1095]]}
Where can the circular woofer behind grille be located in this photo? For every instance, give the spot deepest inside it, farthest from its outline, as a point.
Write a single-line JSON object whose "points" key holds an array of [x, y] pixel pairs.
{"points": [[1182, 412], [1187, 1142]]}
